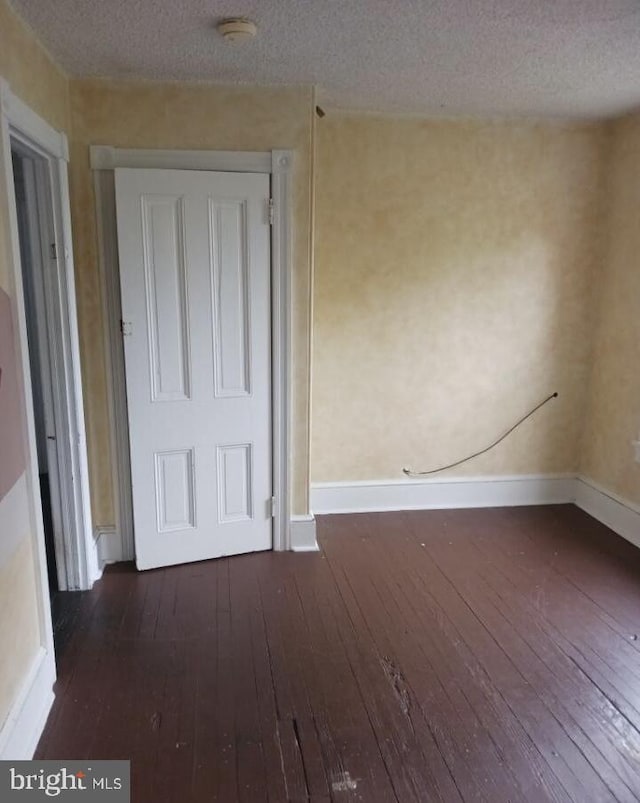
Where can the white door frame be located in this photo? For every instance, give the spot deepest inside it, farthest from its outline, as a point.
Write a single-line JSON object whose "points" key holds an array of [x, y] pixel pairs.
{"points": [[76, 551], [118, 545], [41, 313]]}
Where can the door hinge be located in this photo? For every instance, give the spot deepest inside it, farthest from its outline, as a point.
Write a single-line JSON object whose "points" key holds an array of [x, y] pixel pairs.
{"points": [[126, 327], [54, 252], [270, 208], [273, 507]]}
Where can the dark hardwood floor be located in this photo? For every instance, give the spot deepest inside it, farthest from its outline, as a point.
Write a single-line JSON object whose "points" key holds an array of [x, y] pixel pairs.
{"points": [[476, 655]]}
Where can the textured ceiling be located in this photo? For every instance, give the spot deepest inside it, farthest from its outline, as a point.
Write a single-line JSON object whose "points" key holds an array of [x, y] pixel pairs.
{"points": [[577, 58]]}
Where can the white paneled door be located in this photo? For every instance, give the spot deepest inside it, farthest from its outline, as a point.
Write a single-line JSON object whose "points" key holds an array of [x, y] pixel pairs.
{"points": [[195, 280]]}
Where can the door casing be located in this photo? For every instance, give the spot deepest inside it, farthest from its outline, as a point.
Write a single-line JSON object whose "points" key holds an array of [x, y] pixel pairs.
{"points": [[117, 543], [39, 282], [76, 554]]}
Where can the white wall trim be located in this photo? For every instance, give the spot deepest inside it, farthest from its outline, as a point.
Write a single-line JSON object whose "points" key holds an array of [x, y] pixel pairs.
{"points": [[53, 142], [75, 447], [451, 492], [281, 169], [303, 534], [280, 165], [104, 189], [107, 549], [105, 157], [22, 125], [108, 546], [25, 722], [94, 564], [617, 513]]}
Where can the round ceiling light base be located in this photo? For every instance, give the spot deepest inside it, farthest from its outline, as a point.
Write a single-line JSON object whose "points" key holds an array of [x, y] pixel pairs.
{"points": [[237, 29]]}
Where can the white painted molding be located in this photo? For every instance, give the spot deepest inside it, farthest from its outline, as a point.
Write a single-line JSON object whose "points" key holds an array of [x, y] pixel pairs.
{"points": [[21, 125], [53, 143], [620, 515], [281, 169], [94, 564], [26, 720], [73, 452], [453, 492], [104, 157], [108, 546], [108, 266], [303, 534]]}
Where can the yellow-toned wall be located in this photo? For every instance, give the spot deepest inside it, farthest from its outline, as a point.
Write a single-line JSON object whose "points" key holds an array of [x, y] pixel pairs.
{"points": [[33, 76], [36, 79], [613, 418], [454, 274], [19, 625], [146, 115]]}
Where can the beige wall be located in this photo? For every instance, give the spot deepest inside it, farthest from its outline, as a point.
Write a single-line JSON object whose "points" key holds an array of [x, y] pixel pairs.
{"points": [[183, 116], [19, 625], [613, 419], [34, 78], [454, 274]]}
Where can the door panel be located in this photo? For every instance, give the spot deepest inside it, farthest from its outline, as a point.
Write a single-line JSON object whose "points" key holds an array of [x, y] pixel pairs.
{"points": [[195, 280], [165, 273], [230, 282]]}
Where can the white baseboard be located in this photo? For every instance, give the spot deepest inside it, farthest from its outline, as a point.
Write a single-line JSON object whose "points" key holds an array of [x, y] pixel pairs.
{"points": [[105, 550], [454, 492], [303, 534], [108, 545], [26, 720], [94, 564], [620, 515]]}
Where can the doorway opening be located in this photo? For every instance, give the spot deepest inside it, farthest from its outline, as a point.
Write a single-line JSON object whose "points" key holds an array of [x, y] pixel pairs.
{"points": [[51, 358], [35, 163], [36, 233]]}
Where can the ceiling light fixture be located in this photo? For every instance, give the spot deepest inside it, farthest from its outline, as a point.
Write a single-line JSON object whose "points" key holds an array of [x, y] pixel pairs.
{"points": [[237, 29]]}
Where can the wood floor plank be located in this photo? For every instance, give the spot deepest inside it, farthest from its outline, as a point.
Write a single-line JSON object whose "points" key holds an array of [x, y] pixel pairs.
{"points": [[478, 752], [513, 687], [252, 785], [478, 655], [333, 633], [543, 666], [526, 763], [575, 625]]}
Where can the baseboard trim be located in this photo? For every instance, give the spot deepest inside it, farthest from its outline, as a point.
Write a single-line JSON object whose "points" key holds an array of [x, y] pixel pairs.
{"points": [[108, 545], [94, 564], [455, 492], [303, 534], [26, 720], [617, 513]]}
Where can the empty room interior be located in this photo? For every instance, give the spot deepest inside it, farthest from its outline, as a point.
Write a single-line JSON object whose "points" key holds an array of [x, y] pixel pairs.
{"points": [[320, 399]]}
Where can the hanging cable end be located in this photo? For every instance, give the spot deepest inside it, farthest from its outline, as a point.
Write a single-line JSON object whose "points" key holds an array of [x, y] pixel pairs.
{"points": [[555, 395]]}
